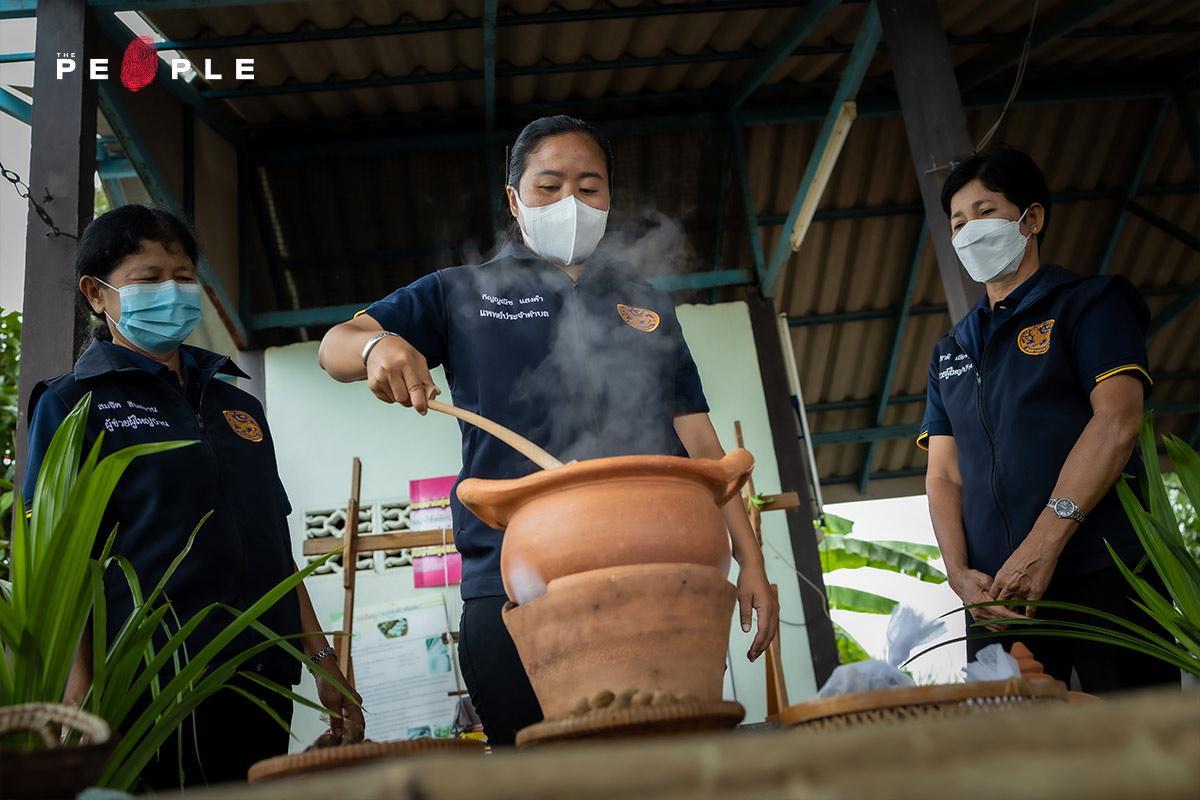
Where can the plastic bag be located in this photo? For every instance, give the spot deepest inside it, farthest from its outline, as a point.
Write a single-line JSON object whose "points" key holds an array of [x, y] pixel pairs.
{"points": [[864, 676], [992, 663], [907, 630]]}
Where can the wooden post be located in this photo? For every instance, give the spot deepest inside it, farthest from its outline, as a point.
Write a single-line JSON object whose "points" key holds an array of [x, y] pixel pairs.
{"points": [[62, 166], [785, 436], [936, 125], [349, 570], [773, 658]]}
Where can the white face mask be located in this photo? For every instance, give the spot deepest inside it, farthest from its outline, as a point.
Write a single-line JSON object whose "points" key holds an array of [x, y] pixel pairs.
{"points": [[991, 249], [566, 231]]}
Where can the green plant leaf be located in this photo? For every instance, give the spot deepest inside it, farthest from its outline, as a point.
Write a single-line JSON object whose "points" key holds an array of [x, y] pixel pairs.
{"points": [[925, 552], [843, 598], [1163, 543], [283, 691], [849, 650], [201, 662], [1040, 632], [1151, 478], [1060, 605], [1187, 467], [266, 709], [835, 524], [843, 552]]}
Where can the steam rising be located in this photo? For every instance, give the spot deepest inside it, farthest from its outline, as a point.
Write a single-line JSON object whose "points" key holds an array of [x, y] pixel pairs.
{"points": [[526, 582], [606, 394]]}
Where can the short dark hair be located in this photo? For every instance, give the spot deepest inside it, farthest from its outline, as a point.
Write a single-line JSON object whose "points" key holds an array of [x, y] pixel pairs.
{"points": [[533, 134], [114, 235], [1005, 169]]}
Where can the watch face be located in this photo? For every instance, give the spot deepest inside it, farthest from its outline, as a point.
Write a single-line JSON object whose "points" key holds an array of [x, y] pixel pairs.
{"points": [[1064, 508]]}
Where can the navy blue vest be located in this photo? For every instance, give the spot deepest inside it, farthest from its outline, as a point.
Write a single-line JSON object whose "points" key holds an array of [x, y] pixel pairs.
{"points": [[1016, 405], [244, 548], [585, 369]]}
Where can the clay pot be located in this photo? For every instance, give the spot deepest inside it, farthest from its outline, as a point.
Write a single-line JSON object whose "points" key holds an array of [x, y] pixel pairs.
{"points": [[609, 633], [608, 512]]}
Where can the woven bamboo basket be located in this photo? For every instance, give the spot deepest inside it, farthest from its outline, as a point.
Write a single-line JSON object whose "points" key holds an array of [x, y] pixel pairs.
{"points": [[621, 723], [56, 770], [921, 702], [327, 758]]}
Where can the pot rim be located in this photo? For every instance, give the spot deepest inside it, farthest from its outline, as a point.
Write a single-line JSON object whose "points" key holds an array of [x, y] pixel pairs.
{"points": [[578, 581], [494, 500]]}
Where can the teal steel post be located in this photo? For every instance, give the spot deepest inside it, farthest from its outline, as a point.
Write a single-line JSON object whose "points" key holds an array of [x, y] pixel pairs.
{"points": [[750, 212], [779, 50], [852, 77], [1131, 189], [910, 288], [489, 111]]}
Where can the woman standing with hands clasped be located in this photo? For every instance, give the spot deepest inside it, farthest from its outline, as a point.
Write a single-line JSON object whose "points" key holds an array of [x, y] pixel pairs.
{"points": [[1034, 403]]}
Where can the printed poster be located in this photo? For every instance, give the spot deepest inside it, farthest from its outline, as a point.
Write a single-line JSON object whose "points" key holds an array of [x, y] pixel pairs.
{"points": [[402, 669]]}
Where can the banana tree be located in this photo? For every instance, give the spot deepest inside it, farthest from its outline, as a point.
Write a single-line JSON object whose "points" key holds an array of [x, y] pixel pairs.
{"points": [[840, 550]]}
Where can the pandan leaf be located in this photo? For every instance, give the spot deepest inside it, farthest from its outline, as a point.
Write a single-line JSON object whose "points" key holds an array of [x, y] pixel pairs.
{"points": [[1187, 467]]}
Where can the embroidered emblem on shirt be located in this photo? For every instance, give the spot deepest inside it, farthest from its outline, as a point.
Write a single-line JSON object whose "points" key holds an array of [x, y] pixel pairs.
{"points": [[1035, 340], [641, 319], [244, 425]]}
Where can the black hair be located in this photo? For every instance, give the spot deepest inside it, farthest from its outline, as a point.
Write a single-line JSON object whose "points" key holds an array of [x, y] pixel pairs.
{"points": [[115, 235], [533, 134], [1005, 169]]}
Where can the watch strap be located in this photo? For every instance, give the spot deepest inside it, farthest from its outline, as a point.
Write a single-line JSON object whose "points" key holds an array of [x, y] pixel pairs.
{"points": [[1076, 515]]}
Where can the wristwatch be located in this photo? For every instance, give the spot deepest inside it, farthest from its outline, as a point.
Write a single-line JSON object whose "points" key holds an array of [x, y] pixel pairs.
{"points": [[1066, 509], [374, 340]]}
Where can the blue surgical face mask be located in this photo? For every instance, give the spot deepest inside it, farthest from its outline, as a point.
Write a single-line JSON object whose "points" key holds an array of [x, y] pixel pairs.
{"points": [[157, 317]]}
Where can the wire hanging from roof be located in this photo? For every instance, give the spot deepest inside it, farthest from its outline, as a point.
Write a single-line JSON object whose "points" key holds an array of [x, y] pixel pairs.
{"points": [[1012, 95]]}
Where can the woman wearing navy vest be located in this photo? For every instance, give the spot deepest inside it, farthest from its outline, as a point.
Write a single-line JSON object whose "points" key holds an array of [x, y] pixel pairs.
{"points": [[137, 275], [561, 342], [1034, 403]]}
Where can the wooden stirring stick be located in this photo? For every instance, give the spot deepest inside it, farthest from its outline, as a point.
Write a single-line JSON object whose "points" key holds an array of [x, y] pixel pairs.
{"points": [[519, 443]]}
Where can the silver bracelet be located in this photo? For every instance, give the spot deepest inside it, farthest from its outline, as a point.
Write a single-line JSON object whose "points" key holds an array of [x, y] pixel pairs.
{"points": [[374, 340], [321, 655]]}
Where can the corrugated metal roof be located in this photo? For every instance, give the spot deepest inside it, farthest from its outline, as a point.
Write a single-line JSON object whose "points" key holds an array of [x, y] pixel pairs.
{"points": [[352, 229]]}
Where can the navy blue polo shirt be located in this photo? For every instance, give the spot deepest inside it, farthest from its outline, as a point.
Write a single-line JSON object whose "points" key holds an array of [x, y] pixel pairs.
{"points": [[1012, 386], [991, 316], [244, 548], [585, 369]]}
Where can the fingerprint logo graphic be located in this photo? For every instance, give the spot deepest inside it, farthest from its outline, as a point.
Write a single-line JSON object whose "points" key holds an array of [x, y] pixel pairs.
{"points": [[140, 64]]}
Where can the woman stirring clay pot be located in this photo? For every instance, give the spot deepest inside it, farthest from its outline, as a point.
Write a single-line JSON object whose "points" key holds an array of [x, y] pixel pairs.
{"points": [[558, 341]]}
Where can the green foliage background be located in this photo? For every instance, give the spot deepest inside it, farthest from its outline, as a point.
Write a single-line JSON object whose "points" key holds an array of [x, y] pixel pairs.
{"points": [[10, 357]]}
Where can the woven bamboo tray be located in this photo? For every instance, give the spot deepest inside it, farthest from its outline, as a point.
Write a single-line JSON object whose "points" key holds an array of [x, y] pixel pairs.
{"points": [[620, 723], [325, 758], [918, 702]]}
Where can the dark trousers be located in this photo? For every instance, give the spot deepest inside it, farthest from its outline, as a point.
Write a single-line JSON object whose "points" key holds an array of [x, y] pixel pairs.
{"points": [[1100, 668], [230, 734], [492, 669]]}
